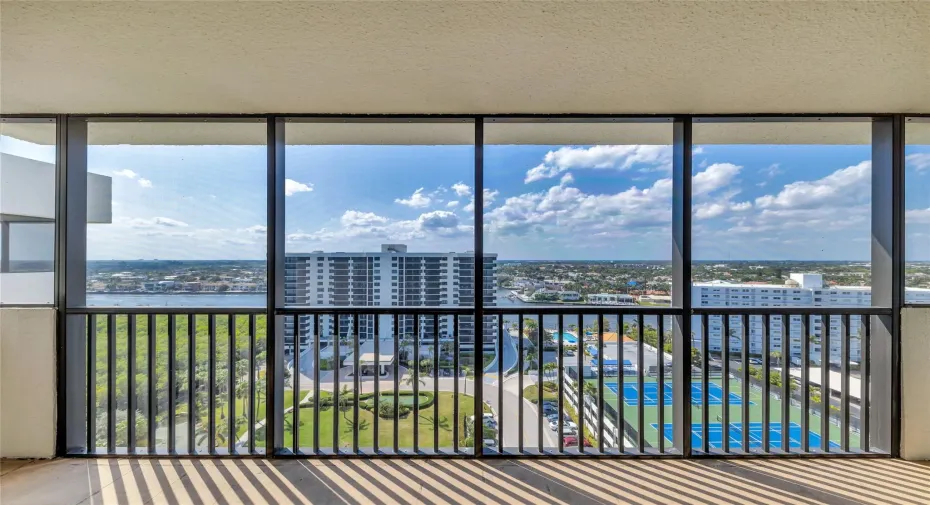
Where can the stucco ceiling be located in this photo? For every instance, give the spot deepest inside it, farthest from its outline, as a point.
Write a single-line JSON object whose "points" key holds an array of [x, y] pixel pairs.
{"points": [[464, 57]]}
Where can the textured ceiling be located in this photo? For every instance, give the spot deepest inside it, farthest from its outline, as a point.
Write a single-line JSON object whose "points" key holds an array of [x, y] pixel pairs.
{"points": [[464, 57]]}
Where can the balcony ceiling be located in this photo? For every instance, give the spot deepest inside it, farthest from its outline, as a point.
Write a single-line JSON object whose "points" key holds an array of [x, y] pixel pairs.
{"points": [[468, 57]]}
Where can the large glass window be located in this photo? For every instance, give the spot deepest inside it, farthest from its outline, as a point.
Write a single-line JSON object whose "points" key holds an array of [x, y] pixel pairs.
{"points": [[379, 214], [176, 214], [27, 211], [917, 213], [781, 218], [580, 213]]}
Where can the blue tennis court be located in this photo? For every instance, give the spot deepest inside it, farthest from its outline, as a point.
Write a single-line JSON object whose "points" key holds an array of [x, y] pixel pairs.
{"points": [[715, 435], [651, 394]]}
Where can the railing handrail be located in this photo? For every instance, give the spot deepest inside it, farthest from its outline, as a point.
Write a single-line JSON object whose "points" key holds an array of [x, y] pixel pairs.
{"points": [[166, 310], [792, 311]]}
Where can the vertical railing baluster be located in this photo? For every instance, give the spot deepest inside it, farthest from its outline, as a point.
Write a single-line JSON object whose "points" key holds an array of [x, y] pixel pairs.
{"points": [[376, 445], [211, 388], [336, 367], [725, 381], [864, 366], [111, 383], [600, 382], [520, 372], [91, 383], [744, 383], [621, 387], [231, 437], [660, 352], [641, 385], [805, 382], [561, 383], [705, 385], [251, 399], [356, 381], [455, 383], [825, 391], [844, 376], [766, 385], [500, 384], [396, 384], [316, 383], [579, 381], [436, 383], [172, 383], [191, 392], [153, 381], [131, 384], [786, 383], [540, 345], [416, 383], [295, 429]]}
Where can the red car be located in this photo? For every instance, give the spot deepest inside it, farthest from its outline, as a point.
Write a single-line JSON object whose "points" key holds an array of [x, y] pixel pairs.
{"points": [[573, 441]]}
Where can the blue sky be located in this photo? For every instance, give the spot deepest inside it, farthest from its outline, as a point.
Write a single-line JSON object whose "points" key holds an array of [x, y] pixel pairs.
{"points": [[542, 202]]}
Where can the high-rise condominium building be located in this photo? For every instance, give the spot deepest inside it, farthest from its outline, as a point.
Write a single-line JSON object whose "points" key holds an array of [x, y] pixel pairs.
{"points": [[391, 278], [801, 290]]}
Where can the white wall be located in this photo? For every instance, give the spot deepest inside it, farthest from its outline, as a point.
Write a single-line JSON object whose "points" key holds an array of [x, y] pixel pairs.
{"points": [[915, 383], [27, 188], [27, 383], [27, 288]]}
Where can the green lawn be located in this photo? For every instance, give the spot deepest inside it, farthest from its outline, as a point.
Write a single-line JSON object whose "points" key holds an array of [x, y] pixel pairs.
{"points": [[366, 433], [530, 393], [650, 413]]}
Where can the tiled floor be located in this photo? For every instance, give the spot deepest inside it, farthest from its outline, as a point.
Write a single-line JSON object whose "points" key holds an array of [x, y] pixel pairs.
{"points": [[710, 482]]}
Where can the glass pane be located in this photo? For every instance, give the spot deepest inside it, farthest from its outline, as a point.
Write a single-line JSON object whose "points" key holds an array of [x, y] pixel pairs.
{"points": [[917, 213], [782, 218], [378, 215], [580, 214], [176, 214], [27, 212]]}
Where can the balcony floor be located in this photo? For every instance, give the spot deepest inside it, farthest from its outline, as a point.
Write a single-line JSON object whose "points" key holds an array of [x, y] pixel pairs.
{"points": [[204, 481]]}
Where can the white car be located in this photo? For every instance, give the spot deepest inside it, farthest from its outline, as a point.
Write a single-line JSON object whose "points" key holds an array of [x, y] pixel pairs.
{"points": [[568, 427]]}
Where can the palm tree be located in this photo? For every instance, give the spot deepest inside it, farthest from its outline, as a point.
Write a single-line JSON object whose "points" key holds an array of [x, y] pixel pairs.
{"points": [[467, 370], [549, 368]]}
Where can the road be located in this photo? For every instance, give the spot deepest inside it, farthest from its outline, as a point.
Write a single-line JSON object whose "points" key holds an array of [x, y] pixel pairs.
{"points": [[508, 419]]}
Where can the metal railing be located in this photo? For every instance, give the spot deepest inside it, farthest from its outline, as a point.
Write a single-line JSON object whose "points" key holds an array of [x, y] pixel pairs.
{"points": [[561, 381]]}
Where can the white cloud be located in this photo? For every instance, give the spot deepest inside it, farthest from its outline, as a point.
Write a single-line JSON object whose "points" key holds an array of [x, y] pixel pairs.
{"points": [[489, 198], [129, 174], [843, 187], [772, 170], [255, 230], [145, 183], [292, 187], [599, 158], [461, 189], [697, 150], [920, 161], [453, 203], [567, 179], [917, 216], [713, 178], [166, 222], [354, 218], [417, 200], [368, 225]]}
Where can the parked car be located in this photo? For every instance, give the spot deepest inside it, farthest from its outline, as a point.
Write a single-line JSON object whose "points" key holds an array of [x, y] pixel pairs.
{"points": [[755, 361], [567, 427], [549, 409], [572, 440], [552, 418]]}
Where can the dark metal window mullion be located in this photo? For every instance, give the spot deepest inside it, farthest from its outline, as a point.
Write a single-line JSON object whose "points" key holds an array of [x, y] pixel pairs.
{"points": [[152, 381], [600, 381], [805, 382], [111, 383], [356, 382], [640, 385], [376, 446], [231, 438], [211, 384], [172, 382], [436, 383], [766, 384], [316, 384], [131, 383], [844, 388], [786, 383], [681, 282], [705, 385], [660, 354], [478, 319], [725, 382]]}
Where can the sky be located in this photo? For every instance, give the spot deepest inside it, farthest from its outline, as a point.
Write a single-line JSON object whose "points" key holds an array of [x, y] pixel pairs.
{"points": [[764, 202]]}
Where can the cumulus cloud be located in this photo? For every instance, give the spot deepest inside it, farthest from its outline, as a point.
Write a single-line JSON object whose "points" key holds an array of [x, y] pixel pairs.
{"points": [[567, 179], [713, 178], [599, 158], [129, 174], [417, 200], [354, 218], [255, 230], [453, 203], [489, 197], [145, 183], [461, 189], [292, 187], [847, 185], [919, 161], [917, 216], [368, 225]]}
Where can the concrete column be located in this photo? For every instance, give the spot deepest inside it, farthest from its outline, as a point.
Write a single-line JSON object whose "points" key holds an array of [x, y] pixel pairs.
{"points": [[4, 246], [915, 383], [27, 383]]}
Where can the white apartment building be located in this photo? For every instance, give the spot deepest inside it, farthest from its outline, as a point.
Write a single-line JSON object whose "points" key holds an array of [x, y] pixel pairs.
{"points": [[611, 299], [392, 278], [801, 290]]}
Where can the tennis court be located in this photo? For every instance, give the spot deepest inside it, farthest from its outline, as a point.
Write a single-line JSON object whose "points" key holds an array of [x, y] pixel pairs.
{"points": [[715, 435], [651, 394]]}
